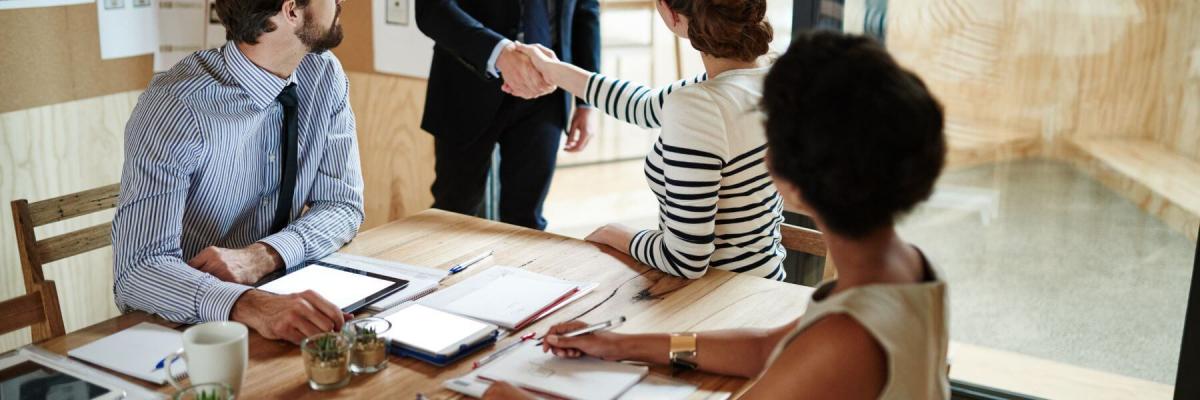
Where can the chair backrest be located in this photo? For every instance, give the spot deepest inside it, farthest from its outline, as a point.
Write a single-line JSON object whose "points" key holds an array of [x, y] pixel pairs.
{"points": [[807, 241], [35, 253], [37, 309]]}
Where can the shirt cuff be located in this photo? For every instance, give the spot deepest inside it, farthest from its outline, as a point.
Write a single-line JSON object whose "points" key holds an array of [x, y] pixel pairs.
{"points": [[289, 245], [491, 62], [217, 298]]}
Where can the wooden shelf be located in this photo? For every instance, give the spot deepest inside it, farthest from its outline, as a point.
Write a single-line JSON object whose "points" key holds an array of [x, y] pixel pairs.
{"points": [[1157, 179], [1044, 378]]}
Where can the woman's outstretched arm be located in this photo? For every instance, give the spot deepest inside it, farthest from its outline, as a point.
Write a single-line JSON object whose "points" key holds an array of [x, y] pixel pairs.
{"points": [[624, 100]]}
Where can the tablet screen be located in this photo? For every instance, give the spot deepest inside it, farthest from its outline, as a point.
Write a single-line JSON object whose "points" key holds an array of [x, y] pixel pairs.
{"points": [[433, 331], [347, 289], [30, 380]]}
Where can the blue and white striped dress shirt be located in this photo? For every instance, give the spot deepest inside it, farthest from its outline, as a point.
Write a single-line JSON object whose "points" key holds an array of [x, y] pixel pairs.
{"points": [[202, 169]]}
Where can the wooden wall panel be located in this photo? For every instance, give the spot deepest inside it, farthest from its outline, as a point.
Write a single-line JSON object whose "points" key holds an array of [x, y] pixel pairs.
{"points": [[1179, 112], [52, 54], [1011, 70], [357, 50], [50, 151], [397, 156]]}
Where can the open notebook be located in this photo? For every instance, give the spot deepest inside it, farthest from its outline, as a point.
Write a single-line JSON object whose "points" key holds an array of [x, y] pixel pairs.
{"points": [[511, 298]]}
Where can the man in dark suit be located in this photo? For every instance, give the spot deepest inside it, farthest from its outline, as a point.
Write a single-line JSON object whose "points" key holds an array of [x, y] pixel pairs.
{"points": [[468, 112]]}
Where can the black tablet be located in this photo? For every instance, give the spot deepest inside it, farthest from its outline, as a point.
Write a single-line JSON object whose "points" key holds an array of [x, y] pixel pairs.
{"points": [[348, 288]]}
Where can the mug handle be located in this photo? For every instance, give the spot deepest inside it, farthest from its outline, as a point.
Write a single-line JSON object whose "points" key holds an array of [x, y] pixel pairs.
{"points": [[169, 360]]}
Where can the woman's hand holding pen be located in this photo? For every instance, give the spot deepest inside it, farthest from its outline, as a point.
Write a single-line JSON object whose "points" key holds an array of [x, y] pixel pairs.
{"points": [[603, 344]]}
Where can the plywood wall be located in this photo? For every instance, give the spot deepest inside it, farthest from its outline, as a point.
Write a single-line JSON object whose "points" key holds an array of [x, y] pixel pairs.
{"points": [[1010, 71], [50, 151], [397, 156]]}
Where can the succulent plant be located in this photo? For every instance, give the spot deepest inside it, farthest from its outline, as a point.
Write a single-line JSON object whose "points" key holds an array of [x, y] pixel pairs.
{"points": [[365, 334], [327, 348], [208, 395]]}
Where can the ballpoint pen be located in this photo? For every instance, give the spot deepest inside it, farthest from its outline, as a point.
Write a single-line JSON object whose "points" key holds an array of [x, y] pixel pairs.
{"points": [[467, 264], [606, 325]]}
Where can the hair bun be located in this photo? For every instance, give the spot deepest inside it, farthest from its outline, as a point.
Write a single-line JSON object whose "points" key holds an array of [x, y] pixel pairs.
{"points": [[740, 11], [727, 28]]}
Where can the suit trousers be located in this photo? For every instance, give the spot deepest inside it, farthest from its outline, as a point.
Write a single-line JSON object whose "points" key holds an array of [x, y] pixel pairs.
{"points": [[529, 133]]}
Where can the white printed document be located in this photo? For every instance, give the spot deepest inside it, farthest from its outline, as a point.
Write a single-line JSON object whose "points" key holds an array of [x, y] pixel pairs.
{"points": [[583, 378]]}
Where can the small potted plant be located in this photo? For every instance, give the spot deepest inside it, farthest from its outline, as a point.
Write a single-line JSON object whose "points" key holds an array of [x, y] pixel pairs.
{"points": [[368, 344], [206, 391], [326, 359]]}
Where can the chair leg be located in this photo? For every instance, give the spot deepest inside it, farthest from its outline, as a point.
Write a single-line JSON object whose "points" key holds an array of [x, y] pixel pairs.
{"points": [[53, 326]]}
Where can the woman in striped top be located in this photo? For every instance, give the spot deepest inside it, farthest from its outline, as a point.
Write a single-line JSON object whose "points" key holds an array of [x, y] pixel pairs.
{"points": [[717, 205]]}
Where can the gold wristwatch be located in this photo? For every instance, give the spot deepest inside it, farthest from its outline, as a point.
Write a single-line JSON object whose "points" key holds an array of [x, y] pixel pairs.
{"points": [[683, 351]]}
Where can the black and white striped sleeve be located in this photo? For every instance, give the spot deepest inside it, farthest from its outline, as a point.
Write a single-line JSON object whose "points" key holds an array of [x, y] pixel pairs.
{"points": [[693, 149], [631, 102]]}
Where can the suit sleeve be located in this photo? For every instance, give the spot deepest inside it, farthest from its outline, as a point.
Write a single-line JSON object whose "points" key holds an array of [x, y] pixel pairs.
{"points": [[586, 38], [457, 32]]}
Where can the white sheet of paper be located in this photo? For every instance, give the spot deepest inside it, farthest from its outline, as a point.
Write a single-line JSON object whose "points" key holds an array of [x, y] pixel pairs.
{"points": [[127, 28], [135, 351], [339, 287], [656, 387], [509, 300], [433, 331], [574, 378]]}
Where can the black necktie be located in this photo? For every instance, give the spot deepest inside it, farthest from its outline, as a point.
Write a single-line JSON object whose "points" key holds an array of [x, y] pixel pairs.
{"points": [[289, 162], [535, 22]]}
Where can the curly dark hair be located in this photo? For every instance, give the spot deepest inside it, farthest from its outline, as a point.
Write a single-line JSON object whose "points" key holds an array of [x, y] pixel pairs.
{"points": [[246, 20], [859, 136], [734, 29]]}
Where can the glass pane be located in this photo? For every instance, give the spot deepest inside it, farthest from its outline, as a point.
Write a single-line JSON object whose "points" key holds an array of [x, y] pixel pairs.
{"points": [[1066, 220]]}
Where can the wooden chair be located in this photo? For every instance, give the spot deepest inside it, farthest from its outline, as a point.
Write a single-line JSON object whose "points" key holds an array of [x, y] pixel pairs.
{"points": [[807, 241], [35, 253], [37, 309]]}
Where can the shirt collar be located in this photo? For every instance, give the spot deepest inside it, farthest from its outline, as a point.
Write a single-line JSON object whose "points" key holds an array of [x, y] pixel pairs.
{"points": [[262, 86]]}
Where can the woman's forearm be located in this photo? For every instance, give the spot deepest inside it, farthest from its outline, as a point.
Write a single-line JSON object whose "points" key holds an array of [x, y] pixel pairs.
{"points": [[736, 352], [568, 77]]}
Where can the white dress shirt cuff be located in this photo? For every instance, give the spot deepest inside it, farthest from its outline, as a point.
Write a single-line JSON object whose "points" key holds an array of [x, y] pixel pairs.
{"points": [[289, 245], [491, 63], [217, 298]]}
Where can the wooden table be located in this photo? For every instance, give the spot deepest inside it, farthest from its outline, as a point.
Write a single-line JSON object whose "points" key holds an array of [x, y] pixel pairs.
{"points": [[653, 302]]}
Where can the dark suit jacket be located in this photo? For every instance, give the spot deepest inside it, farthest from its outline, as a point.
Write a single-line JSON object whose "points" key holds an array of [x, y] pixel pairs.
{"points": [[462, 99]]}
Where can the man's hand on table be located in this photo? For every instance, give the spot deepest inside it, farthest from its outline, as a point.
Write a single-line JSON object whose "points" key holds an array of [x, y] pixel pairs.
{"points": [[245, 266], [290, 317]]}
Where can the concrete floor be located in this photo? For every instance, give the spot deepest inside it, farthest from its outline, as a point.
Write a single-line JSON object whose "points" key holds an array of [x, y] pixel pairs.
{"points": [[1041, 260]]}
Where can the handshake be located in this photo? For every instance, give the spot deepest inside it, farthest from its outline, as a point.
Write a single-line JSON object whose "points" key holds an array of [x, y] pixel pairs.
{"points": [[526, 70]]}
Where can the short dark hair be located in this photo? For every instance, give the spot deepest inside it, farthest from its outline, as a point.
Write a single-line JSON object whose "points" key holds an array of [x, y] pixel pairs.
{"points": [[246, 20], [859, 136], [734, 29]]}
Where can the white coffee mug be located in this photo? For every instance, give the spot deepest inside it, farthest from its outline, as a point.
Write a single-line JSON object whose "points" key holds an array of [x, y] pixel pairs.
{"points": [[215, 352]]}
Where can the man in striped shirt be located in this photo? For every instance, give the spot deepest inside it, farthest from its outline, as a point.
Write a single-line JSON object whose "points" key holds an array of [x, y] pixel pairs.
{"points": [[222, 154]]}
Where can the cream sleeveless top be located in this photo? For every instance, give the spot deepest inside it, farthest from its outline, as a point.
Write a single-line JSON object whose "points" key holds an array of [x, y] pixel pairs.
{"points": [[908, 320]]}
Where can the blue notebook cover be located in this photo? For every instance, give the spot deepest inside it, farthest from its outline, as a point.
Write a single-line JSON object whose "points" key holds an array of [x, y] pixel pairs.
{"points": [[442, 361]]}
